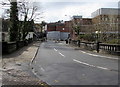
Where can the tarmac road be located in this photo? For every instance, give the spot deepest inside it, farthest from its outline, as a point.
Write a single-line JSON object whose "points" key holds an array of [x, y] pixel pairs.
{"points": [[59, 64]]}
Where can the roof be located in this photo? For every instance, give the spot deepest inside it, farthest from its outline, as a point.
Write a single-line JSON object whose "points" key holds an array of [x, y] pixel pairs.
{"points": [[77, 16], [105, 11]]}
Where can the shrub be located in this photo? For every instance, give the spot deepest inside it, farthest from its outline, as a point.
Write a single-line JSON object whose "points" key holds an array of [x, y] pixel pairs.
{"points": [[88, 37], [113, 41]]}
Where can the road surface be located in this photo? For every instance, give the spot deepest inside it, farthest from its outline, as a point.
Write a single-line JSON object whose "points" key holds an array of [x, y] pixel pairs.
{"points": [[60, 64]]}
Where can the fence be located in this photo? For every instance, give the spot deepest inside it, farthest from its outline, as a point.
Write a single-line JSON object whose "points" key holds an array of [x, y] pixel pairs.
{"points": [[9, 47], [20, 44], [110, 48]]}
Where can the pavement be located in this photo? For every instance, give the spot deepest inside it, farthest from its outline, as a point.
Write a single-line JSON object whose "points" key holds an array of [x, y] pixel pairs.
{"points": [[16, 69], [58, 63]]}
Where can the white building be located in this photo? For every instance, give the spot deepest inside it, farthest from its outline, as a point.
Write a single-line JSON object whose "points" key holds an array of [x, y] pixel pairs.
{"points": [[105, 11]]}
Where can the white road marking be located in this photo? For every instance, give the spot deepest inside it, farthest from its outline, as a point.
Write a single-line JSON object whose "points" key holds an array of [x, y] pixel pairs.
{"points": [[83, 52], [56, 81], [42, 69], [60, 43], [61, 54], [55, 49], [90, 64], [35, 72], [102, 68], [98, 55]]}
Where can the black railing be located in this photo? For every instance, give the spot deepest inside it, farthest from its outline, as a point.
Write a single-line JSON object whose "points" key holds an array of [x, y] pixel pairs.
{"points": [[111, 48]]}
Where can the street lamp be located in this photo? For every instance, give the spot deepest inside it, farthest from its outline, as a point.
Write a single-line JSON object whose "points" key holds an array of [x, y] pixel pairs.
{"points": [[96, 32], [97, 41], [69, 25], [98, 35]]}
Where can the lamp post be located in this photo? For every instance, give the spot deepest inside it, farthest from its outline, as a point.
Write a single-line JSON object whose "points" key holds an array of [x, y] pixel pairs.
{"points": [[97, 40], [96, 32], [98, 35], [69, 28]]}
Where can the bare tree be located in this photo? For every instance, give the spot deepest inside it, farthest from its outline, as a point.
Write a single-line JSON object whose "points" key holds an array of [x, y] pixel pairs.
{"points": [[76, 27], [108, 26], [27, 12], [5, 8]]}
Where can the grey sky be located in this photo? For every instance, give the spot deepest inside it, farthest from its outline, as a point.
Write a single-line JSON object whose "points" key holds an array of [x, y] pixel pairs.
{"points": [[54, 10]]}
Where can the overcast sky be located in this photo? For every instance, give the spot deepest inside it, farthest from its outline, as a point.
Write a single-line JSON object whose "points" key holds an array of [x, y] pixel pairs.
{"points": [[55, 10]]}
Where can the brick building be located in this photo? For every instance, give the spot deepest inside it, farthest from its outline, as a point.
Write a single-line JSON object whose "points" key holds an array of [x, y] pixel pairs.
{"points": [[57, 31], [68, 26], [84, 26], [51, 27], [76, 22], [60, 27]]}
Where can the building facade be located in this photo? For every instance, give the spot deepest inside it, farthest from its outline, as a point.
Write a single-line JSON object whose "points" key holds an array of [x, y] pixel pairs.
{"points": [[51, 27], [86, 25], [68, 28], [106, 22], [80, 26], [57, 31]]}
